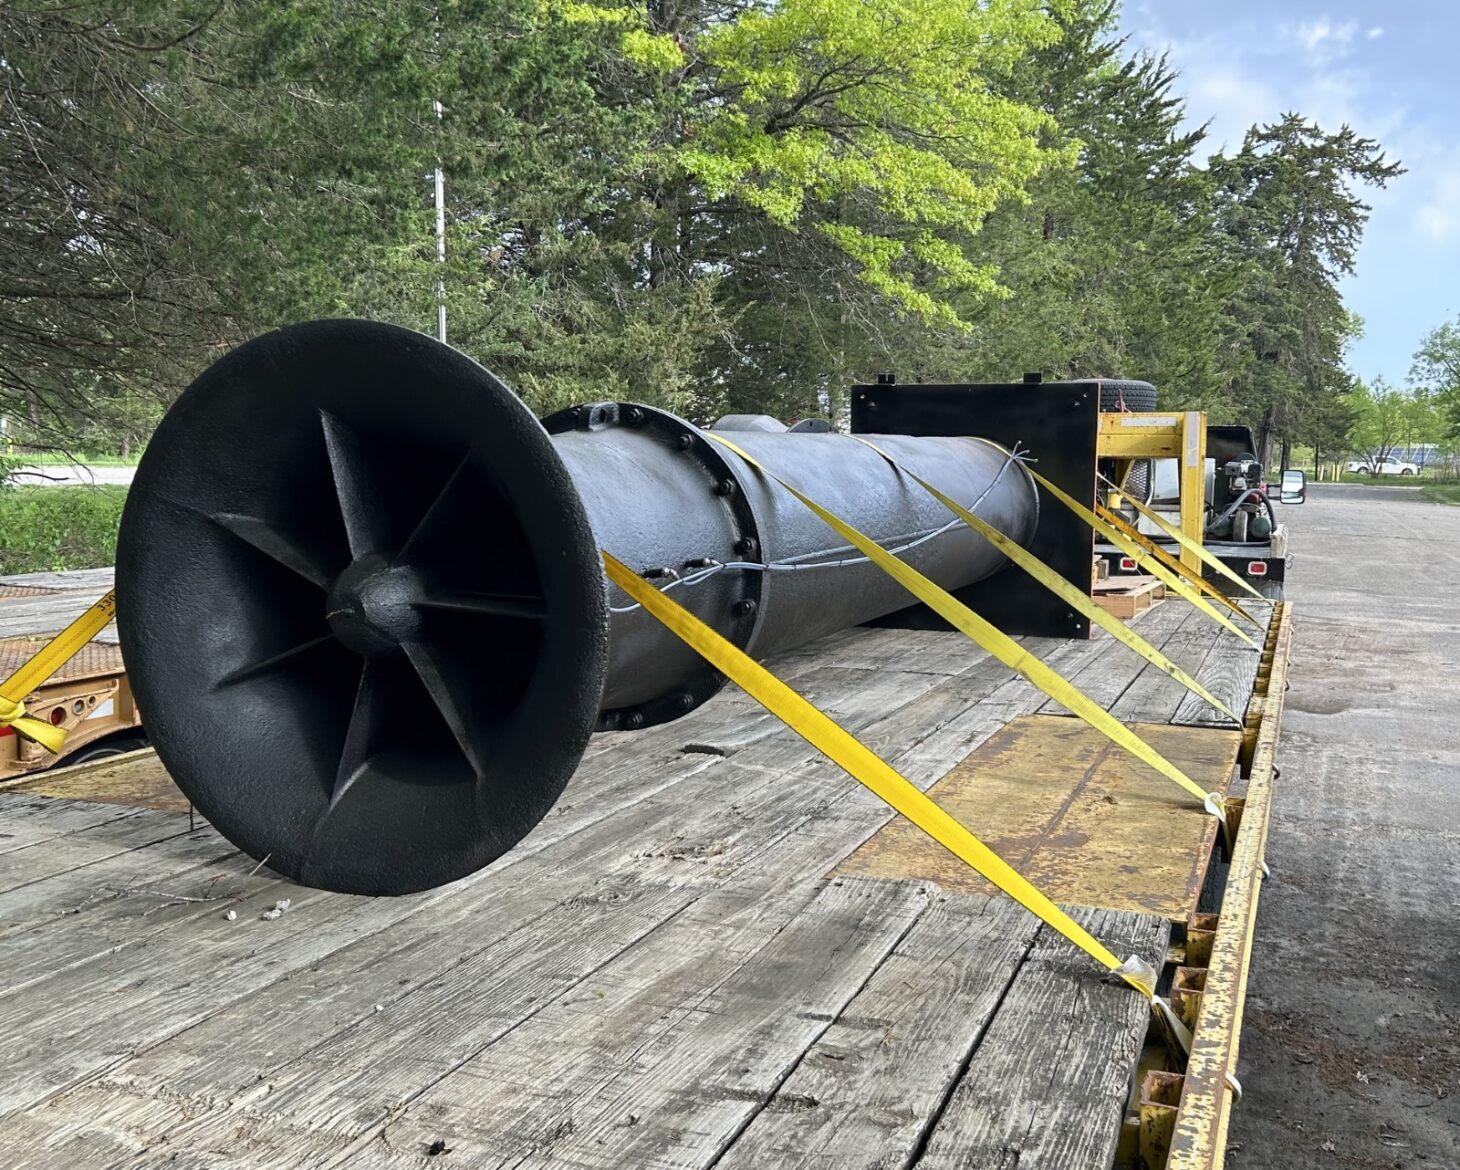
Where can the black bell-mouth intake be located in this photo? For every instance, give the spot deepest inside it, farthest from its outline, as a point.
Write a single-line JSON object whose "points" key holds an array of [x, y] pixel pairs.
{"points": [[361, 607]]}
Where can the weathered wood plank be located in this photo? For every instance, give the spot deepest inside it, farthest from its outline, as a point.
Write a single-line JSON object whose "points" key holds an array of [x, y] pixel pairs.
{"points": [[746, 833], [71, 851], [27, 820], [1153, 695], [687, 1035], [20, 616], [84, 920], [686, 974], [1229, 671], [820, 832], [159, 1058], [868, 1091], [1105, 675], [169, 998], [98, 579], [135, 778], [1071, 812], [74, 893], [1048, 1083], [548, 949]]}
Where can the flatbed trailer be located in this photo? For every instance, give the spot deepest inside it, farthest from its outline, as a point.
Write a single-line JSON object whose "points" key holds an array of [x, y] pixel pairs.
{"points": [[89, 695], [716, 951], [1263, 565]]}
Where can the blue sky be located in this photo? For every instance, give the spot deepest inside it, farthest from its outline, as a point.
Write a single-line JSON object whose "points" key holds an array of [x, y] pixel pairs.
{"points": [[1386, 69]]}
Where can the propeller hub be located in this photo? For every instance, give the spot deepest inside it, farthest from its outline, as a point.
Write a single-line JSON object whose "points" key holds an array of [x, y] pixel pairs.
{"points": [[372, 605]]}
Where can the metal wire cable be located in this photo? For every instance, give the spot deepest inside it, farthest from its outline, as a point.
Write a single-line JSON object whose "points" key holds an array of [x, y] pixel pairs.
{"points": [[797, 563]]}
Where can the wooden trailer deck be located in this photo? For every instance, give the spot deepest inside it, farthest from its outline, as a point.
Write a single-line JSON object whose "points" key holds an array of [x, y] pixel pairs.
{"points": [[715, 952]]}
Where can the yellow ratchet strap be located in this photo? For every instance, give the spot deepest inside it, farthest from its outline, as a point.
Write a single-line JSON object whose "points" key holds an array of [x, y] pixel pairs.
{"points": [[867, 768], [1119, 523], [1072, 596], [49, 659], [996, 642], [1193, 546], [1136, 553]]}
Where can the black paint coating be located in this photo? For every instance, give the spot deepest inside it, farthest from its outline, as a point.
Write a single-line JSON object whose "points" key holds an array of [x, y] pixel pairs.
{"points": [[363, 608], [1058, 424]]}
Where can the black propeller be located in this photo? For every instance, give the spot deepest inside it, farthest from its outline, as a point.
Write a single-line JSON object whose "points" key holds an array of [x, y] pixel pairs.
{"points": [[355, 576]]}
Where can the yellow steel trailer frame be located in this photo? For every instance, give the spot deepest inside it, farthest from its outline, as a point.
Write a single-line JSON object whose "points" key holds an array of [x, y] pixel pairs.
{"points": [[1126, 436], [1184, 1116]]}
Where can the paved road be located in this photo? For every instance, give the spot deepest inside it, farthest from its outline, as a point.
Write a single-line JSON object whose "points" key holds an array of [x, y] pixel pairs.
{"points": [[1351, 1045], [71, 473]]}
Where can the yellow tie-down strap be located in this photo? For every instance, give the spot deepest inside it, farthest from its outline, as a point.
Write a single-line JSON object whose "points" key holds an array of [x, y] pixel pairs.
{"points": [[995, 641], [44, 663], [1137, 554], [1193, 546], [1077, 599], [868, 768], [1199, 582]]}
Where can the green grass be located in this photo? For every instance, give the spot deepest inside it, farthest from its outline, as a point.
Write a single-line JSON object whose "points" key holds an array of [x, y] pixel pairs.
{"points": [[60, 458], [54, 528], [1442, 493]]}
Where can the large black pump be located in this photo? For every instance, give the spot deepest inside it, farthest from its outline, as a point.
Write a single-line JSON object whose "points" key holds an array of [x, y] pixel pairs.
{"points": [[362, 603]]}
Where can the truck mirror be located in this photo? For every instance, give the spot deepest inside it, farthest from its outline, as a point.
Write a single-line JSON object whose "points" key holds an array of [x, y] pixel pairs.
{"points": [[1294, 487]]}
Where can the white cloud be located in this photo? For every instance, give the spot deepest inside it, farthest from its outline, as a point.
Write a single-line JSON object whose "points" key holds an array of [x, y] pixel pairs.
{"points": [[1323, 33], [1374, 33], [1235, 100], [1438, 218]]}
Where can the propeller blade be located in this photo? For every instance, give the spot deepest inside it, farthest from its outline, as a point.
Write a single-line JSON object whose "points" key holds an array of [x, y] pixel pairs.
{"points": [[277, 544], [494, 604], [364, 503], [434, 513], [428, 663], [254, 669], [361, 735]]}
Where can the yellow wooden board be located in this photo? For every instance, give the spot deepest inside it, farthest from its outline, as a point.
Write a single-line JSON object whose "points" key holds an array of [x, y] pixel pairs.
{"points": [[1085, 822], [137, 778]]}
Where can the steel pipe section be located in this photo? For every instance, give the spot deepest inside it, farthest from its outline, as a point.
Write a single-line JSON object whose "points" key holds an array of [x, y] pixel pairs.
{"points": [[668, 500], [362, 607]]}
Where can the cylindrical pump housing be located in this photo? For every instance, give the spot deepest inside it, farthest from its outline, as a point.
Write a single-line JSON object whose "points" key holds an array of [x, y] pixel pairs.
{"points": [[362, 605], [748, 558]]}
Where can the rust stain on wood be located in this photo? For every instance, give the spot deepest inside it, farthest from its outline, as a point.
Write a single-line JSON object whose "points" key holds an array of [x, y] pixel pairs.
{"points": [[1087, 823]]}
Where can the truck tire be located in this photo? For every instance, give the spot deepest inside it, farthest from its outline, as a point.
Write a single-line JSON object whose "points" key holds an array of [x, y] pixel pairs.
{"points": [[1125, 394], [1121, 394]]}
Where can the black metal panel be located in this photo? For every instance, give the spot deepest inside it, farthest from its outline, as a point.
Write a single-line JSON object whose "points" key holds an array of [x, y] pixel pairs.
{"points": [[1058, 423]]}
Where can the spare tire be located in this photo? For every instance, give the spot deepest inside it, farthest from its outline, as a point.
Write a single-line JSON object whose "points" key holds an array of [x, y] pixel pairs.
{"points": [[1125, 394], [1121, 394]]}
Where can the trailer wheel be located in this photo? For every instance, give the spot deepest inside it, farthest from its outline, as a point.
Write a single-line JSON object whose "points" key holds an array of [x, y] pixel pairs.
{"points": [[111, 745]]}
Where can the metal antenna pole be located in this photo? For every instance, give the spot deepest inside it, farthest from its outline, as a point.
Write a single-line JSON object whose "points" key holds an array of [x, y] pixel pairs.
{"points": [[440, 239]]}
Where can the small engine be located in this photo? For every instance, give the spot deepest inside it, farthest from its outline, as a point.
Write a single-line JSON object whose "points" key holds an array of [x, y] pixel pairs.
{"points": [[1243, 498]]}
